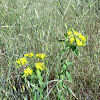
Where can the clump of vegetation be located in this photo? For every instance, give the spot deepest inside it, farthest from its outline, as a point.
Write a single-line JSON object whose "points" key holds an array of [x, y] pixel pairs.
{"points": [[42, 56]]}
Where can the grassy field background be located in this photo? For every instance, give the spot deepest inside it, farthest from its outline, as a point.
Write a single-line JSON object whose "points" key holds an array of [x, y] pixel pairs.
{"points": [[37, 26]]}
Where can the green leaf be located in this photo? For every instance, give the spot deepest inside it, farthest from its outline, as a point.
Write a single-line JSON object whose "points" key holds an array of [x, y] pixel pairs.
{"points": [[63, 98], [64, 66], [73, 47], [64, 50], [66, 88], [69, 90], [35, 97], [65, 35], [39, 77], [68, 63], [72, 92], [24, 76], [67, 47], [59, 94], [61, 40], [75, 50], [37, 94], [69, 76], [18, 66], [14, 88]]}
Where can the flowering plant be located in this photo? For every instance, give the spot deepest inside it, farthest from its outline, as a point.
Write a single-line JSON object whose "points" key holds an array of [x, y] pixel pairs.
{"points": [[32, 72], [76, 38], [34, 67], [73, 40]]}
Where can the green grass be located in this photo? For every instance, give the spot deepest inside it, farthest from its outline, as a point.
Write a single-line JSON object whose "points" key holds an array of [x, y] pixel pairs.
{"points": [[37, 26]]}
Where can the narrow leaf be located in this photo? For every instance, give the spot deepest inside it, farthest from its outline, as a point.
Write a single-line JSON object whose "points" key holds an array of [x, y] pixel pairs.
{"points": [[68, 75], [64, 66], [72, 92], [64, 50], [68, 63], [67, 47], [39, 77]]}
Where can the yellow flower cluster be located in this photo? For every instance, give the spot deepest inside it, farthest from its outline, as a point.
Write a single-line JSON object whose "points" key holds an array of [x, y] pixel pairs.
{"points": [[78, 37], [40, 66], [22, 61], [27, 72], [29, 55], [41, 55]]}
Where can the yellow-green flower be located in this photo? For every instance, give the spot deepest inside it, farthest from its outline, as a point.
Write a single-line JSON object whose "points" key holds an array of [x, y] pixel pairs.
{"points": [[72, 40], [79, 43], [29, 55], [70, 32], [75, 33], [28, 71], [22, 61], [41, 55], [40, 66], [82, 37], [78, 37]]}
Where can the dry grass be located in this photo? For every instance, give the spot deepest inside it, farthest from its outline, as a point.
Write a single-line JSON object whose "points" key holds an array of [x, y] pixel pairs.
{"points": [[36, 26]]}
